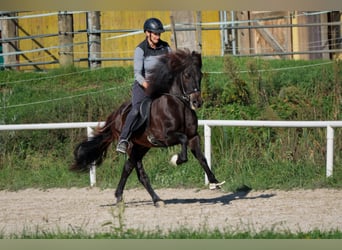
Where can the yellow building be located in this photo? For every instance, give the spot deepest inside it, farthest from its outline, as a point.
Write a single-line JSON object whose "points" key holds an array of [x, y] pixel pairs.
{"points": [[121, 33], [36, 39]]}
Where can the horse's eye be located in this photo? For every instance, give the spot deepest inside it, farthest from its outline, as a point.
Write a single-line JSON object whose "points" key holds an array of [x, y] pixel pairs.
{"points": [[187, 75]]}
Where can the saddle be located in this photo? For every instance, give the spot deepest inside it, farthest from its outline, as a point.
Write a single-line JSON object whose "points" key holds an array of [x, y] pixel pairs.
{"points": [[144, 114]]}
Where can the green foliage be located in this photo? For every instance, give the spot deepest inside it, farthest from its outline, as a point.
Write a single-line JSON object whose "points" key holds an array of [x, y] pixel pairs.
{"points": [[232, 88]]}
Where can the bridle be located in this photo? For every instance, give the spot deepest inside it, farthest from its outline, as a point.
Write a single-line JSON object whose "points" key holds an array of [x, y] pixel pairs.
{"points": [[186, 94]]}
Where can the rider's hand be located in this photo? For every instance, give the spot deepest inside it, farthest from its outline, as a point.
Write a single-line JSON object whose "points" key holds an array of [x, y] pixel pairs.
{"points": [[145, 85]]}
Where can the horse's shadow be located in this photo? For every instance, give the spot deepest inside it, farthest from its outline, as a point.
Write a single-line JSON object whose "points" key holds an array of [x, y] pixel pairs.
{"points": [[239, 194]]}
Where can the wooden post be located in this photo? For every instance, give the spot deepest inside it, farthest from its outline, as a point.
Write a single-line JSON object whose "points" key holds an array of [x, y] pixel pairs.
{"points": [[295, 35], [243, 35], [199, 31], [335, 34], [173, 33], [314, 36], [8, 30], [185, 38], [1, 57], [65, 27], [324, 44], [94, 39]]}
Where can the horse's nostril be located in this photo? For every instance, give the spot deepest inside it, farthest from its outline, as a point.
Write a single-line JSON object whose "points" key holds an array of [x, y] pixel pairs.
{"points": [[195, 104]]}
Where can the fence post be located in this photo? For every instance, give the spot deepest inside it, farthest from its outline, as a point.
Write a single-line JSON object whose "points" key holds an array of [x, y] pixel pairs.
{"points": [[330, 151], [65, 29], [94, 39], [185, 38], [92, 170], [199, 31], [8, 30], [207, 148], [173, 33]]}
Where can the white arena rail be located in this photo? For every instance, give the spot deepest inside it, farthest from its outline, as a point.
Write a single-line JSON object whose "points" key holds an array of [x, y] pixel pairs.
{"points": [[329, 125]]}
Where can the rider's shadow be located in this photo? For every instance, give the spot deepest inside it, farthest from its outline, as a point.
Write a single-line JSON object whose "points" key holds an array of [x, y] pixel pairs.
{"points": [[240, 194]]}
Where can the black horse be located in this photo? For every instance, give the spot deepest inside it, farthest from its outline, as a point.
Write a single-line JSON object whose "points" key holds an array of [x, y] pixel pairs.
{"points": [[175, 91]]}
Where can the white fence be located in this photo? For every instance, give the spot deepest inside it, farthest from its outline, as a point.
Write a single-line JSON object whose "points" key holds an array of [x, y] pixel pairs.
{"points": [[329, 125]]}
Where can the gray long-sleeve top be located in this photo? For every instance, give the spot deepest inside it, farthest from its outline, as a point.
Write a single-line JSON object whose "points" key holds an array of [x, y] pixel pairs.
{"points": [[146, 57]]}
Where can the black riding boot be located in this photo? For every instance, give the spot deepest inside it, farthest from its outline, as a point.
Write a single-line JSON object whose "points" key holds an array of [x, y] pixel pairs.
{"points": [[127, 131]]}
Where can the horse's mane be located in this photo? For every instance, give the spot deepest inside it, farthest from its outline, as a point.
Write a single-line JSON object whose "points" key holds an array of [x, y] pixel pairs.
{"points": [[168, 67]]}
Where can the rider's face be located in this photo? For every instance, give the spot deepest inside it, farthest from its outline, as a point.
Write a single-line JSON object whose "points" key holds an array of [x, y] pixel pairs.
{"points": [[153, 37]]}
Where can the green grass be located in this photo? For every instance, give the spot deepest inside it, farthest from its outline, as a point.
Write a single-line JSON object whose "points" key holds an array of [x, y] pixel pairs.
{"points": [[258, 157], [183, 233]]}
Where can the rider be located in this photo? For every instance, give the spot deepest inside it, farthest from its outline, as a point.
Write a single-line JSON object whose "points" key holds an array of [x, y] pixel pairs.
{"points": [[145, 57]]}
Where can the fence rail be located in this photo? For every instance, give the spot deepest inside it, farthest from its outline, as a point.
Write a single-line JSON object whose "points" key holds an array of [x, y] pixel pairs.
{"points": [[285, 35], [329, 125]]}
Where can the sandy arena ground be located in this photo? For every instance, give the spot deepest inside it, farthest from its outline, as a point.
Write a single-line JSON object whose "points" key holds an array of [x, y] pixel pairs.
{"points": [[91, 210]]}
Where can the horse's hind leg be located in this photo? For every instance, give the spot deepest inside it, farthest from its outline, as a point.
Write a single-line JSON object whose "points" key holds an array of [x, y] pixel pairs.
{"points": [[144, 180], [137, 153], [127, 170], [135, 161], [195, 147]]}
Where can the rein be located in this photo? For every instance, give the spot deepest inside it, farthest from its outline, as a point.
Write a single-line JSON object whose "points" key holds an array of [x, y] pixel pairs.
{"points": [[184, 99]]}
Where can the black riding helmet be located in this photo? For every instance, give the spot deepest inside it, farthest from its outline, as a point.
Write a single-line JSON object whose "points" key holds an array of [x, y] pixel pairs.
{"points": [[153, 25]]}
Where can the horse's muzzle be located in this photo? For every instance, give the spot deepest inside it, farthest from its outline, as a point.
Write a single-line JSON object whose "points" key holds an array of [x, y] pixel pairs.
{"points": [[196, 100]]}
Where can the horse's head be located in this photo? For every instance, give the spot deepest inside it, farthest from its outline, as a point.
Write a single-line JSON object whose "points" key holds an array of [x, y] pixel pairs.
{"points": [[188, 83], [178, 73]]}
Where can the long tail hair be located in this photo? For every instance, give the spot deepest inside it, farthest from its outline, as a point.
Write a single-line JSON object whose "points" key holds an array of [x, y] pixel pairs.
{"points": [[95, 148]]}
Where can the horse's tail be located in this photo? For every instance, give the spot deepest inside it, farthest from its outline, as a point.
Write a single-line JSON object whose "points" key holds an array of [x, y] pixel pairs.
{"points": [[94, 149]]}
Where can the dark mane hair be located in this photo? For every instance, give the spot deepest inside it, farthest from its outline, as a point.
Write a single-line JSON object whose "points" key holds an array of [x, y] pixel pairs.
{"points": [[168, 67]]}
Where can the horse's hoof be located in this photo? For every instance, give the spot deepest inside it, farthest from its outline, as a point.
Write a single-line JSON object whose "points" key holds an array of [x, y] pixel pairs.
{"points": [[159, 203], [174, 159], [213, 186], [119, 202]]}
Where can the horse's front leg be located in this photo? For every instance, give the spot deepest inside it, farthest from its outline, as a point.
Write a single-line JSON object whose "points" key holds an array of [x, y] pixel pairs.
{"points": [[195, 148], [182, 156], [144, 180], [127, 170]]}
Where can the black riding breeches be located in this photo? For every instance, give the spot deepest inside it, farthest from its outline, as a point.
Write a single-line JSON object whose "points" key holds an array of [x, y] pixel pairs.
{"points": [[138, 94]]}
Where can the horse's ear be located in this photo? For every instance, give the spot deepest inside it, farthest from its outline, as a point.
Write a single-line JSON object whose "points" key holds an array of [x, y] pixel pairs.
{"points": [[195, 53], [197, 57]]}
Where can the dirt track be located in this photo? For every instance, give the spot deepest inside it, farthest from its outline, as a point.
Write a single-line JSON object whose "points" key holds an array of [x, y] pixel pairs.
{"points": [[92, 210]]}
